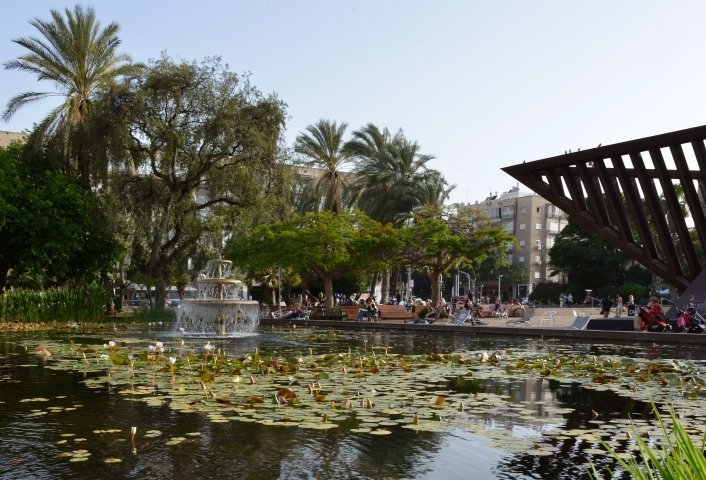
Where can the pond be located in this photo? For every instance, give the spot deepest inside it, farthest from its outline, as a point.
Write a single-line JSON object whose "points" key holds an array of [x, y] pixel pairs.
{"points": [[321, 404]]}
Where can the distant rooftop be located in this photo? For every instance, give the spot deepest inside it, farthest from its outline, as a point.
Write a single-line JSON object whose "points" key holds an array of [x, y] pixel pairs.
{"points": [[6, 138], [514, 192]]}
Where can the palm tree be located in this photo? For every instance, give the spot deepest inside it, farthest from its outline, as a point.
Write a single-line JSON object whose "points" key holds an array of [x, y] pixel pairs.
{"points": [[392, 179], [322, 144], [79, 57], [370, 139]]}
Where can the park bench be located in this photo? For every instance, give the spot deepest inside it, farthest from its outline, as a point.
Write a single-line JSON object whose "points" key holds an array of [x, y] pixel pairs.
{"points": [[395, 312], [351, 311], [326, 313]]}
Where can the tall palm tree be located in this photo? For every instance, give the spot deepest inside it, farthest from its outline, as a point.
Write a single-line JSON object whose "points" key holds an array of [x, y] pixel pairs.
{"points": [[369, 140], [391, 179], [322, 144], [433, 189], [391, 182], [79, 56]]}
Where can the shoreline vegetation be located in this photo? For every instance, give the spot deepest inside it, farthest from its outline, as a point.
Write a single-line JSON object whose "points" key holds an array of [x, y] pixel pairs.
{"points": [[54, 305], [66, 309]]}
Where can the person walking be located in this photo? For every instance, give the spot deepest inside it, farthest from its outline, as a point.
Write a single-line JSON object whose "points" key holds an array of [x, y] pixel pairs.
{"points": [[562, 299], [606, 304], [618, 306]]}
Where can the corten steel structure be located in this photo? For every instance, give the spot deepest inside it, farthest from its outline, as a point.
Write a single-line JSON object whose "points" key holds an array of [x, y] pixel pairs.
{"points": [[628, 193]]}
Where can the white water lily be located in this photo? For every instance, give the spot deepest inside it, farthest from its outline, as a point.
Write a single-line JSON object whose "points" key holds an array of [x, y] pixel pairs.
{"points": [[111, 343], [172, 360], [208, 347]]}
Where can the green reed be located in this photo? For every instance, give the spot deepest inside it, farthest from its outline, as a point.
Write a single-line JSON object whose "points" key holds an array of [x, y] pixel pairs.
{"points": [[64, 304], [677, 456]]}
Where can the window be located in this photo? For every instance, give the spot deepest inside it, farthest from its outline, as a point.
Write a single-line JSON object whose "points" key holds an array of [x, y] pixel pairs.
{"points": [[522, 226], [538, 259], [536, 274], [523, 210], [522, 243], [520, 259], [539, 209], [553, 227], [538, 226], [508, 211], [509, 227]]}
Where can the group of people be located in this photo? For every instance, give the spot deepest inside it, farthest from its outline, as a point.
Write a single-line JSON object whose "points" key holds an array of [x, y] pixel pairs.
{"points": [[369, 309], [607, 303], [567, 300]]}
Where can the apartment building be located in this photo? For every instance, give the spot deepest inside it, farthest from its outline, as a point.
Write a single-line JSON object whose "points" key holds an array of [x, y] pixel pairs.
{"points": [[6, 138], [535, 223]]}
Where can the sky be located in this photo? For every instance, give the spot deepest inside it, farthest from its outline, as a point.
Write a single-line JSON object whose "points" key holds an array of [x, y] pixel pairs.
{"points": [[480, 85]]}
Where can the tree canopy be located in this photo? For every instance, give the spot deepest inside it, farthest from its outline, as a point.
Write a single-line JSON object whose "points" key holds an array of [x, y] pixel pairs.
{"points": [[79, 57], [326, 243], [51, 229], [441, 239], [586, 259], [192, 145]]}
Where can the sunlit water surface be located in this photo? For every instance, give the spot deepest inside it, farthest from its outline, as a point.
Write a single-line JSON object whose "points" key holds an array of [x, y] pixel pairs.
{"points": [[36, 436]]}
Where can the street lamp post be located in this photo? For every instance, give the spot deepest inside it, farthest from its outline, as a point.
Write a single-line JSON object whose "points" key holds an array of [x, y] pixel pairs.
{"points": [[499, 277]]}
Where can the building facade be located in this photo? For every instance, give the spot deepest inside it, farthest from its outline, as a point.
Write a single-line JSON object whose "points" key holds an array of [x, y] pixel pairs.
{"points": [[6, 138], [535, 223]]}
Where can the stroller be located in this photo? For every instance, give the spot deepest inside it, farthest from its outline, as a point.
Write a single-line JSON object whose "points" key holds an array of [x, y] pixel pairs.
{"points": [[690, 321], [652, 322]]}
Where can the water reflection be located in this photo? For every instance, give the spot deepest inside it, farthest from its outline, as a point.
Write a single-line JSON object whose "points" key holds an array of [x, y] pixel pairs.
{"points": [[34, 437]]}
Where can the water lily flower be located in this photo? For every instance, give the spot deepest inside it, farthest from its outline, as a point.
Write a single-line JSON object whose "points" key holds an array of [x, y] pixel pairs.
{"points": [[172, 360], [208, 347], [111, 343]]}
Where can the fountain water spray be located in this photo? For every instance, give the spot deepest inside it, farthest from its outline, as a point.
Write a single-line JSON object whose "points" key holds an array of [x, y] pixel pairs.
{"points": [[222, 307]]}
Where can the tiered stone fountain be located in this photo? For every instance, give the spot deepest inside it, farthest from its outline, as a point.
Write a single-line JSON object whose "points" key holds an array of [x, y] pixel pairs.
{"points": [[221, 308]]}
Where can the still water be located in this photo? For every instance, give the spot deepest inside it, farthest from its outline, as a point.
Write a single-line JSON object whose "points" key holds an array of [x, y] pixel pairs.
{"points": [[50, 418]]}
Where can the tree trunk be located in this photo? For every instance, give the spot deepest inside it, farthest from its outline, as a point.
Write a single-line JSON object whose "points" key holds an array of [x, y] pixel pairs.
{"points": [[435, 288], [110, 298], [273, 296], [373, 282], [160, 294], [385, 290], [328, 291]]}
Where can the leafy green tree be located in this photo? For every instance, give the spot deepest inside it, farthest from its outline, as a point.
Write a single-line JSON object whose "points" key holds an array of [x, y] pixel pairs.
{"points": [[79, 57], [322, 145], [586, 259], [51, 229], [326, 243], [443, 239], [392, 179], [195, 151]]}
